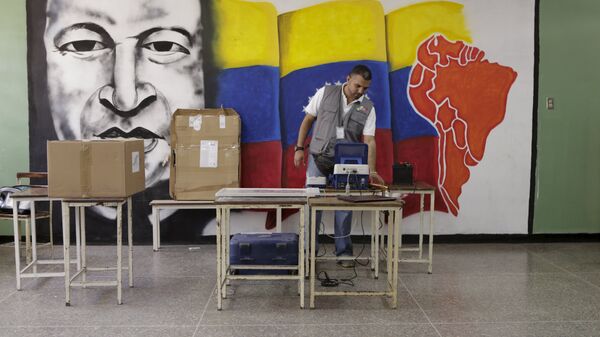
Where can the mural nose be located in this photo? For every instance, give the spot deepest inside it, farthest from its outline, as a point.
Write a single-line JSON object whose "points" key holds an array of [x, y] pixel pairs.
{"points": [[125, 96]]}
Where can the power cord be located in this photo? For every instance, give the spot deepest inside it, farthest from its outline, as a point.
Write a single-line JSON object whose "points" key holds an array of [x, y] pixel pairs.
{"points": [[326, 281], [322, 230], [362, 249]]}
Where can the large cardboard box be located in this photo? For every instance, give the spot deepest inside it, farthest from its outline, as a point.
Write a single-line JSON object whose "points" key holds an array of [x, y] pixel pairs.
{"points": [[205, 152], [95, 168]]}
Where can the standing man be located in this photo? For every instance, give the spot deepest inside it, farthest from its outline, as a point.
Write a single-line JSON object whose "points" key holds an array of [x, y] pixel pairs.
{"points": [[343, 114]]}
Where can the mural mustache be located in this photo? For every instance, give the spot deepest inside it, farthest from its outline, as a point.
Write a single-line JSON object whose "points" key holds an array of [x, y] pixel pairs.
{"points": [[138, 132], [147, 117]]}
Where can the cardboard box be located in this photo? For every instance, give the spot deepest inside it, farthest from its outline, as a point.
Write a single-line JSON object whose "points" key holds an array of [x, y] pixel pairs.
{"points": [[205, 153], [95, 168]]}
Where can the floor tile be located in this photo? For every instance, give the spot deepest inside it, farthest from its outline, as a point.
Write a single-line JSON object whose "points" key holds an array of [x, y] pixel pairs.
{"points": [[574, 257], [153, 301], [502, 298], [256, 303], [329, 330], [592, 278], [480, 259], [529, 329], [97, 332]]}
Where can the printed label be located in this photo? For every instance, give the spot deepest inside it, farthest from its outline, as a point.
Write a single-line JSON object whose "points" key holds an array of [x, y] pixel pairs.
{"points": [[222, 123], [209, 153], [135, 162], [195, 122]]}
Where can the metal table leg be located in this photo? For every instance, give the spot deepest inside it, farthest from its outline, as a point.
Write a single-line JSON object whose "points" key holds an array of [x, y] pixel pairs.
{"points": [[66, 243], [155, 234], [17, 238], [397, 238], [83, 247], [119, 252], [219, 256], [130, 242], [301, 258], [431, 211], [313, 219]]}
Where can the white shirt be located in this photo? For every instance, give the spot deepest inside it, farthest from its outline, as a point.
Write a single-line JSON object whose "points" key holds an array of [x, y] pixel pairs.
{"points": [[315, 102]]}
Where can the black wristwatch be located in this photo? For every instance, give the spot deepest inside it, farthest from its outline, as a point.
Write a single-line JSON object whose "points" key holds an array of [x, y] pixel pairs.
{"points": [[298, 148]]}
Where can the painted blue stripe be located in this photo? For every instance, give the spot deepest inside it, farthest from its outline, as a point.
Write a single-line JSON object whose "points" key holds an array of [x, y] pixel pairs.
{"points": [[298, 86], [406, 123], [254, 93]]}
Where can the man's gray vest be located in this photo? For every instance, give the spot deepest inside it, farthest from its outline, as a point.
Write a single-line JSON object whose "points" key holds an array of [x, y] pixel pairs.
{"points": [[330, 115]]}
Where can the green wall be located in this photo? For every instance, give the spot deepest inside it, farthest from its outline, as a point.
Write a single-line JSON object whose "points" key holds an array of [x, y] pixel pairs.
{"points": [[568, 162], [14, 137]]}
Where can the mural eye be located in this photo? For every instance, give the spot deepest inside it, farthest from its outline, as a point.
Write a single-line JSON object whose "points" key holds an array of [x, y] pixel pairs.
{"points": [[82, 46], [166, 47]]}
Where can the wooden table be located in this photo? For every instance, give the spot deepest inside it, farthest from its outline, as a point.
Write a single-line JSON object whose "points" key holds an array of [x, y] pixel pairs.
{"points": [[334, 204], [224, 268], [157, 205], [34, 194], [80, 205], [422, 189]]}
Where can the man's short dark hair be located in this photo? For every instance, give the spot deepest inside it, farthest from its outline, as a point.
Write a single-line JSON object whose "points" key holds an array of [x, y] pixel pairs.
{"points": [[362, 70]]}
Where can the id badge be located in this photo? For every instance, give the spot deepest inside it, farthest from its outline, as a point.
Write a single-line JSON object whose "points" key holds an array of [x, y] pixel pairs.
{"points": [[339, 132]]}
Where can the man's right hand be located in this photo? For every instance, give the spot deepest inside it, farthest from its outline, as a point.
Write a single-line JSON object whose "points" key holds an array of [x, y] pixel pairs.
{"points": [[299, 158]]}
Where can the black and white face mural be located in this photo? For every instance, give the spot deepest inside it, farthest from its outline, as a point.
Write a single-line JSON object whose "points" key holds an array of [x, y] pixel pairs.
{"points": [[120, 68], [112, 68]]}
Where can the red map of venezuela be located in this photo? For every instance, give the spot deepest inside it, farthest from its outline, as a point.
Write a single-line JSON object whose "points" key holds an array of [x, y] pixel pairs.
{"points": [[464, 96]]}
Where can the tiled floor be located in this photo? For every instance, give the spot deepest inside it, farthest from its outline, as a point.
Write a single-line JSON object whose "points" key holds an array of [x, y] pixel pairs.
{"points": [[475, 290]]}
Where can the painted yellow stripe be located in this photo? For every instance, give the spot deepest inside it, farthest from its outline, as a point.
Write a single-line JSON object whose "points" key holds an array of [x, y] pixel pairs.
{"points": [[245, 34], [331, 32], [407, 27]]}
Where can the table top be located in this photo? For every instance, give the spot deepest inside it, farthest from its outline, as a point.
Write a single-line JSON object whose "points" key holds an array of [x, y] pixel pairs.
{"points": [[333, 191], [266, 192], [417, 186], [261, 201], [168, 202], [34, 192], [94, 200], [335, 202]]}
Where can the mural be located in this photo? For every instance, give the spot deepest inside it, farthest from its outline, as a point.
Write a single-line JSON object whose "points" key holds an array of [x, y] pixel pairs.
{"points": [[106, 69], [450, 87], [446, 97], [460, 74], [246, 54], [319, 45], [464, 97]]}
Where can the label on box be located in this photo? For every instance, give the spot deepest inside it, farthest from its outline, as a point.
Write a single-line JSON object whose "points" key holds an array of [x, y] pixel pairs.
{"points": [[135, 162], [195, 122], [209, 153], [222, 123]]}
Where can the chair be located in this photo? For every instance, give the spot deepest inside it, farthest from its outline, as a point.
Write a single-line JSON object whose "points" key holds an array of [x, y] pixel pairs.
{"points": [[26, 218]]}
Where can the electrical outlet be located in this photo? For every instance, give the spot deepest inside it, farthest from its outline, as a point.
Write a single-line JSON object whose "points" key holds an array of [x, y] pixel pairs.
{"points": [[550, 103]]}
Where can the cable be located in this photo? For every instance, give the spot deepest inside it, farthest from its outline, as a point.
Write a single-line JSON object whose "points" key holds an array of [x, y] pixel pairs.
{"points": [[348, 183], [321, 229], [363, 245], [326, 281]]}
